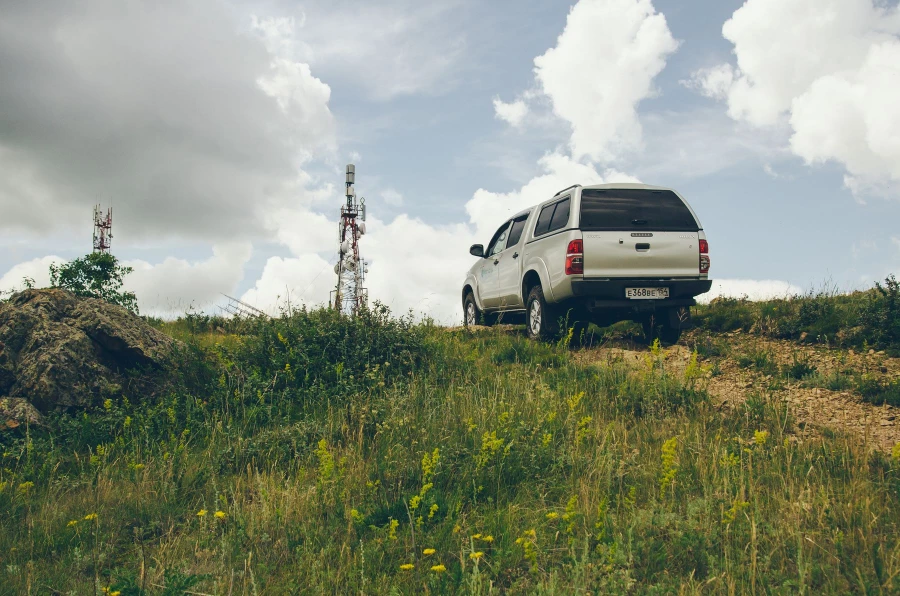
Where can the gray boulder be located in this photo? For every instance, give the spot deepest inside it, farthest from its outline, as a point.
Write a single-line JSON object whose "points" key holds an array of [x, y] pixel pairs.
{"points": [[60, 351]]}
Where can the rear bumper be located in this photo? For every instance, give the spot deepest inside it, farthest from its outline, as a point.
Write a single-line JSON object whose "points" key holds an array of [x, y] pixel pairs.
{"points": [[610, 293]]}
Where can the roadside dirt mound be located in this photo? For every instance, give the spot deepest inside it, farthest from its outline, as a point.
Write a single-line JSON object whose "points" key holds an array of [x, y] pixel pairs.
{"points": [[58, 351], [749, 365]]}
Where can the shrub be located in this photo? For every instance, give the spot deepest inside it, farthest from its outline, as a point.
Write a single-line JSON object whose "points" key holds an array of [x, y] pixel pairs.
{"points": [[97, 275]]}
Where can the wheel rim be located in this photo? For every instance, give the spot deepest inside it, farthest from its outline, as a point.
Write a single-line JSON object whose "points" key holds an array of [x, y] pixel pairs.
{"points": [[534, 317], [470, 314]]}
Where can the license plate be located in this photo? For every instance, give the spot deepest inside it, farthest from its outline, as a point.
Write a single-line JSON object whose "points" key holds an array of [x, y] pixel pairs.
{"points": [[646, 293]]}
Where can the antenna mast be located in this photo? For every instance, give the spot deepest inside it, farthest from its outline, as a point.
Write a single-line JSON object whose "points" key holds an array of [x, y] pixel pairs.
{"points": [[102, 229], [350, 293]]}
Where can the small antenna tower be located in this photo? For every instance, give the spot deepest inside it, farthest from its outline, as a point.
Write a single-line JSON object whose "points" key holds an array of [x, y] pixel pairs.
{"points": [[102, 229], [350, 293], [241, 309]]}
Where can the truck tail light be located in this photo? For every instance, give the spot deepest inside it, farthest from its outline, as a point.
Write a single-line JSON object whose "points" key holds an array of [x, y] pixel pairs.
{"points": [[704, 256], [575, 258]]}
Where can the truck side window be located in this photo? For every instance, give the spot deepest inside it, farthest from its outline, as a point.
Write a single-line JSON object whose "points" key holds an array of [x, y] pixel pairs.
{"points": [[515, 233], [560, 216], [498, 242], [543, 222]]}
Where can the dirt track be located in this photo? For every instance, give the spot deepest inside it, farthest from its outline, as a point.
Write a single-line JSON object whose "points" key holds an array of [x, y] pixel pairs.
{"points": [[813, 408]]}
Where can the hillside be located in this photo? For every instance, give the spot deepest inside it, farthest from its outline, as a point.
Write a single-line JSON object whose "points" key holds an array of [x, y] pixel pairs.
{"points": [[317, 454]]}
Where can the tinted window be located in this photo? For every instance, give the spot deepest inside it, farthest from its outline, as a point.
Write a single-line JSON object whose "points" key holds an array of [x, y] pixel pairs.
{"points": [[515, 234], [560, 216], [635, 210], [543, 222], [498, 242]]}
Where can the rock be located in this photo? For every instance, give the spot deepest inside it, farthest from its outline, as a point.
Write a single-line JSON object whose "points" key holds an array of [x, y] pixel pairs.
{"points": [[15, 412], [871, 352], [61, 351], [803, 336]]}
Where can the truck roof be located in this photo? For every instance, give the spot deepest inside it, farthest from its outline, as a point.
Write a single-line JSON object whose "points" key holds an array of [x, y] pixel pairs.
{"points": [[610, 185]]}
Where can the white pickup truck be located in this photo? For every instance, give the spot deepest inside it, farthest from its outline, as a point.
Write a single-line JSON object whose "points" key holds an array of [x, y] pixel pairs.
{"points": [[593, 254]]}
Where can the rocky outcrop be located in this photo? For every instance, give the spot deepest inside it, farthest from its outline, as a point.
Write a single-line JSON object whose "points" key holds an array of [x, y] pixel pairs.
{"points": [[59, 351], [15, 412]]}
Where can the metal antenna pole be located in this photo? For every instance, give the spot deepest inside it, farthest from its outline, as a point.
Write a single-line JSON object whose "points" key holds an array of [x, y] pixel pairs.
{"points": [[350, 294]]}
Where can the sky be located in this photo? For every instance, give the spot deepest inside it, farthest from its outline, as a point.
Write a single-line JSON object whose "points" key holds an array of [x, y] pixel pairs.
{"points": [[219, 131]]}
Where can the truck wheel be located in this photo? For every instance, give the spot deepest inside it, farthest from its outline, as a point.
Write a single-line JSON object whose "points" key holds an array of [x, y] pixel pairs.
{"points": [[540, 320], [471, 313]]}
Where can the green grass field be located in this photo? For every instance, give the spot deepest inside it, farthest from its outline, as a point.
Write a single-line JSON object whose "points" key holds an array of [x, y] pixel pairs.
{"points": [[314, 454]]}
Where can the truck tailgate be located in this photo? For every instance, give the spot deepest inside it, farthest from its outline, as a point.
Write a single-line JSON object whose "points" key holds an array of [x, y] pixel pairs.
{"points": [[609, 254]]}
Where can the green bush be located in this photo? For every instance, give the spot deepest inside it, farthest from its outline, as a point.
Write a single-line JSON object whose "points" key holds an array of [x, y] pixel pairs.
{"points": [[869, 318]]}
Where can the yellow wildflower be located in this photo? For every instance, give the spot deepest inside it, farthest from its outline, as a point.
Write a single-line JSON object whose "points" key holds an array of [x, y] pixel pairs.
{"points": [[438, 568], [407, 566], [90, 516], [476, 536], [220, 515], [202, 512], [476, 556], [552, 515], [488, 538], [760, 437], [72, 523], [428, 551]]}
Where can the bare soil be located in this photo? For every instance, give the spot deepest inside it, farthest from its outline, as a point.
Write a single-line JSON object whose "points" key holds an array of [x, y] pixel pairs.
{"points": [[815, 409]]}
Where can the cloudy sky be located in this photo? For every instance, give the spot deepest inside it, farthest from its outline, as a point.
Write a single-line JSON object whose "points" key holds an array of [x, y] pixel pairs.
{"points": [[218, 132]]}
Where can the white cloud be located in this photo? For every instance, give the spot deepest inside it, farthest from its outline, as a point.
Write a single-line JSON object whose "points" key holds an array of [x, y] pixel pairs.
{"points": [[414, 265], [754, 289], [602, 66], [173, 286], [834, 73], [35, 269], [714, 82], [303, 280], [512, 113]]}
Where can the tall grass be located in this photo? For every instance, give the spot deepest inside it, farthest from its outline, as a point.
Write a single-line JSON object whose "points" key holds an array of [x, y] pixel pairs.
{"points": [[869, 319], [319, 454]]}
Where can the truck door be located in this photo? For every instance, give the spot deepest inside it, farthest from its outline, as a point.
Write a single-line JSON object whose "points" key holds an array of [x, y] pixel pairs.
{"points": [[487, 278], [509, 267]]}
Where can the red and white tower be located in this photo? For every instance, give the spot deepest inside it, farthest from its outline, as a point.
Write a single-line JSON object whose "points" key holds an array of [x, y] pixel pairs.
{"points": [[350, 293], [102, 229]]}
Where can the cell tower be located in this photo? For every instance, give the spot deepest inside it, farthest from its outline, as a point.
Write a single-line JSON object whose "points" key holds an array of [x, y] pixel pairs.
{"points": [[102, 229], [350, 293]]}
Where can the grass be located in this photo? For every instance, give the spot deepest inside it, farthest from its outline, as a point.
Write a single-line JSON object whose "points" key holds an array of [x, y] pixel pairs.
{"points": [[317, 454], [864, 319]]}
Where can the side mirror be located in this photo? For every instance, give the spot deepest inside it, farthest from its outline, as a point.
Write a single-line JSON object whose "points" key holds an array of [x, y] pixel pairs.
{"points": [[476, 250]]}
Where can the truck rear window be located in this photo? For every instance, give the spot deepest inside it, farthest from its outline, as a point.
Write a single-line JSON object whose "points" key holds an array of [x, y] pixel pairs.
{"points": [[632, 209]]}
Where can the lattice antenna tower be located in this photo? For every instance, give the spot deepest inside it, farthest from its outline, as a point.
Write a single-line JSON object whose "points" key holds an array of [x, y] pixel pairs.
{"points": [[102, 229], [350, 293]]}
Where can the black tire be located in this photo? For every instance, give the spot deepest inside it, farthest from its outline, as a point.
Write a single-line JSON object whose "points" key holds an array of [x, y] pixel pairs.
{"points": [[540, 318], [658, 326], [479, 316], [471, 313]]}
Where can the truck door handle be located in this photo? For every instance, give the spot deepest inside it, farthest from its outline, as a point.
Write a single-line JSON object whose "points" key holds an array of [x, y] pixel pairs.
{"points": [[642, 246], [496, 261], [515, 255]]}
